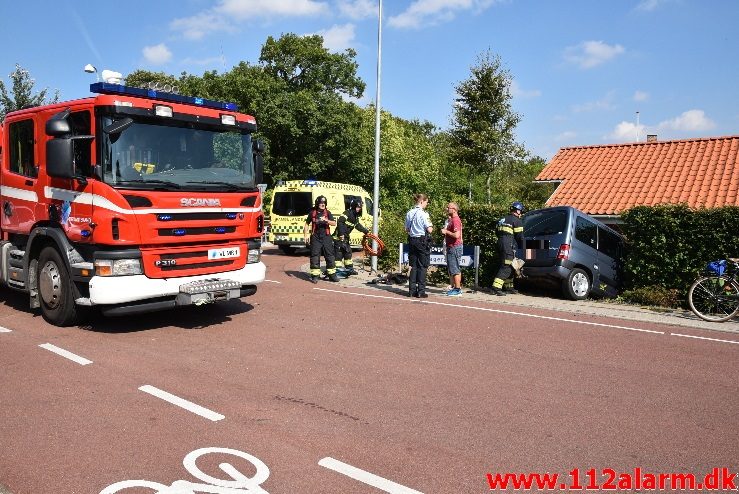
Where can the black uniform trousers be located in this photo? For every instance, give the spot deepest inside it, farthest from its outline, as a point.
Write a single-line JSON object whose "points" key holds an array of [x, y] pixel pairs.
{"points": [[321, 243], [343, 252], [505, 269], [419, 259]]}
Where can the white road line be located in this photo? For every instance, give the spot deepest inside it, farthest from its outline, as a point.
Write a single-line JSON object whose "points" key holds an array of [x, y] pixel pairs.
{"points": [[273, 281], [704, 338], [500, 311], [366, 477], [66, 354], [182, 403], [4, 330]]}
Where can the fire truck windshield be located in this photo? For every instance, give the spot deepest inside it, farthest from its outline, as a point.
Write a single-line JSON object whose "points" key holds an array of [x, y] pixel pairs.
{"points": [[147, 154]]}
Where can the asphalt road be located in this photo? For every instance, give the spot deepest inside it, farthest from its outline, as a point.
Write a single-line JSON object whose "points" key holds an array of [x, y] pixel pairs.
{"points": [[340, 388]]}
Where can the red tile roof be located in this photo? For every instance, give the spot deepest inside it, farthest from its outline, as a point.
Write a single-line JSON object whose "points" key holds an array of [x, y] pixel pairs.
{"points": [[610, 179]]}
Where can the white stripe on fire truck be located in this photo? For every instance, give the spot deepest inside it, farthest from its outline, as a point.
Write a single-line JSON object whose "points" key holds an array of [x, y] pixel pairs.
{"points": [[102, 202], [22, 194]]}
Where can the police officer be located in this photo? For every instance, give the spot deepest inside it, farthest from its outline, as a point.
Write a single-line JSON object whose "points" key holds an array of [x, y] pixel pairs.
{"points": [[347, 222], [317, 234], [510, 234]]}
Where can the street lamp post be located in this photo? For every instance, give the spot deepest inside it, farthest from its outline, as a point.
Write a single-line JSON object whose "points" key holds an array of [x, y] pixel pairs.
{"points": [[376, 191]]}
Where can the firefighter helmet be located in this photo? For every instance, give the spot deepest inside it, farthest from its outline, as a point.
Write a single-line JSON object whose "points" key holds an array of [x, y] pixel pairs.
{"points": [[319, 200], [357, 202], [517, 205]]}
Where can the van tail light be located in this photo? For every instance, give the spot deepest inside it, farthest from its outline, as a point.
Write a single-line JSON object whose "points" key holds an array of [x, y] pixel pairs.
{"points": [[564, 251]]}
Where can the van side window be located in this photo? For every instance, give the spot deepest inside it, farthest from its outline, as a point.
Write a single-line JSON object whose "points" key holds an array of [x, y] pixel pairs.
{"points": [[609, 243], [586, 232], [80, 123], [21, 142]]}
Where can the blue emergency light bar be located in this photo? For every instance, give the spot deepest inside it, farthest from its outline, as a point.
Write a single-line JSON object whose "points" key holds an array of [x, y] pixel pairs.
{"points": [[106, 88]]}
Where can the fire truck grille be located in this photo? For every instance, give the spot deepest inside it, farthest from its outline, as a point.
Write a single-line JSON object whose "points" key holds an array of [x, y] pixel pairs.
{"points": [[204, 230], [199, 216], [198, 265]]}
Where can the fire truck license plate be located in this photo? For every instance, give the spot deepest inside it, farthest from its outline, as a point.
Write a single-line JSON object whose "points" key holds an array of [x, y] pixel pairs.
{"points": [[225, 253]]}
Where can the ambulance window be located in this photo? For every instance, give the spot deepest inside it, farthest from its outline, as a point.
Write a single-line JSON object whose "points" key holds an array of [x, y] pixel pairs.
{"points": [[21, 148], [292, 203], [80, 122], [368, 206], [348, 201]]}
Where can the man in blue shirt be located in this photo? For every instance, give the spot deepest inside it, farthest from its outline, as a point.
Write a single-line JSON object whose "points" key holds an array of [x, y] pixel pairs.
{"points": [[418, 226]]}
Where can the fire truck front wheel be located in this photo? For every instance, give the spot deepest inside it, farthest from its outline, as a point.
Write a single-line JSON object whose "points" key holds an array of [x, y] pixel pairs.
{"points": [[55, 289]]}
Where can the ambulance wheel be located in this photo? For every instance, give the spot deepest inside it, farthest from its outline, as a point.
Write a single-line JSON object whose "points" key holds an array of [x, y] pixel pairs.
{"points": [[288, 250], [55, 290]]}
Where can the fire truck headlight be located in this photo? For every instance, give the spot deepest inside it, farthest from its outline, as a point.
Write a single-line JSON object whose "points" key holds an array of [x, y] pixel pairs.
{"points": [[228, 120], [163, 111], [252, 256], [118, 267]]}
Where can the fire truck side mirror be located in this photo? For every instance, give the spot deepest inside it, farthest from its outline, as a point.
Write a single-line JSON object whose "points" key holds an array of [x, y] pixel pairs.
{"points": [[258, 148], [58, 125], [60, 158]]}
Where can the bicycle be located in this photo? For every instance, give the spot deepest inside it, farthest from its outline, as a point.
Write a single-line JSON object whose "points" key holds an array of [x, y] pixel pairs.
{"points": [[714, 296]]}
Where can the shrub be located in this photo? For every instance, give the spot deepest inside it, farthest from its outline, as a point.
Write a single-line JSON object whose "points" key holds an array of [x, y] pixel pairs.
{"points": [[656, 296]]}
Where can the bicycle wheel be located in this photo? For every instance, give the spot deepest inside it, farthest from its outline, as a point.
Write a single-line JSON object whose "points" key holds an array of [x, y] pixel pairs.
{"points": [[714, 298]]}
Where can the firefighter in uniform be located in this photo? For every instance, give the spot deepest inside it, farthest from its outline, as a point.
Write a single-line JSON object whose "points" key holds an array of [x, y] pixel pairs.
{"points": [[317, 235], [347, 222], [510, 234]]}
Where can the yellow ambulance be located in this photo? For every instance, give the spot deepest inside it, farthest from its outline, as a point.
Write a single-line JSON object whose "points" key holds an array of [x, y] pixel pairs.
{"points": [[292, 200]]}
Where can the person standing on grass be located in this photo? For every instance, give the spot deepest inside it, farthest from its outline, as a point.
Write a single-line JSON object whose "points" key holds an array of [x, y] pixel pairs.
{"points": [[452, 232]]}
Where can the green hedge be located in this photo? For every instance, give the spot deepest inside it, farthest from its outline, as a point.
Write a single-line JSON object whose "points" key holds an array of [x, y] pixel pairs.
{"points": [[669, 245]]}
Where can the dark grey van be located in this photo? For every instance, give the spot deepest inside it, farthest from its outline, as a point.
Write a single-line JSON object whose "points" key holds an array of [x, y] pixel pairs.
{"points": [[565, 246]]}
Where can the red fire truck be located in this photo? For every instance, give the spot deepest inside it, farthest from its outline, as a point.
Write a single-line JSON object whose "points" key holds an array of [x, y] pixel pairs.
{"points": [[130, 201]]}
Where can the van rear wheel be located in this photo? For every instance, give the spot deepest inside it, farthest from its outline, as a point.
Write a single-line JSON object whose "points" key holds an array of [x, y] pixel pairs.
{"points": [[577, 285]]}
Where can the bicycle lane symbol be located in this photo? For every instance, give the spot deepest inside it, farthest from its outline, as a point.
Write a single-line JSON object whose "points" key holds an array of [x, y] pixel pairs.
{"points": [[237, 484]]}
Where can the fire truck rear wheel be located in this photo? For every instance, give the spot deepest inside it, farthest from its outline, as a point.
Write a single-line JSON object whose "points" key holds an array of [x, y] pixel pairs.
{"points": [[55, 289]]}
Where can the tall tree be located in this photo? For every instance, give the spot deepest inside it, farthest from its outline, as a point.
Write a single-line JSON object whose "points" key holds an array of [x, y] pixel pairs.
{"points": [[22, 93], [305, 64], [483, 121]]}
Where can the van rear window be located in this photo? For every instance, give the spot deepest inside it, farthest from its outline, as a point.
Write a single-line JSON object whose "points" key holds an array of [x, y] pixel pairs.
{"points": [[291, 203], [537, 224]]}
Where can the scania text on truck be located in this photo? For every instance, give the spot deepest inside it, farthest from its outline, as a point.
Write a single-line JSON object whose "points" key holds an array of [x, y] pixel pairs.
{"points": [[131, 200]]}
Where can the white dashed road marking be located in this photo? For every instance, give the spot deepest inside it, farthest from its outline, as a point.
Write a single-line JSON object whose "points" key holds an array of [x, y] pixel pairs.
{"points": [[182, 403], [4, 330], [273, 281], [66, 354], [500, 311], [366, 477], [704, 338]]}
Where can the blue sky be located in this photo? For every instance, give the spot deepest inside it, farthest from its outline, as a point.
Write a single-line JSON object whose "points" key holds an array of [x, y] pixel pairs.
{"points": [[582, 69]]}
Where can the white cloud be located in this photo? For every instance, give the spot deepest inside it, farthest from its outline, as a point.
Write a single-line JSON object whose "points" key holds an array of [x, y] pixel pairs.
{"points": [[226, 13], [157, 54], [567, 135], [627, 132], [248, 9], [605, 103], [640, 96], [423, 13], [338, 38], [689, 121], [358, 9], [650, 5], [589, 54], [518, 92]]}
